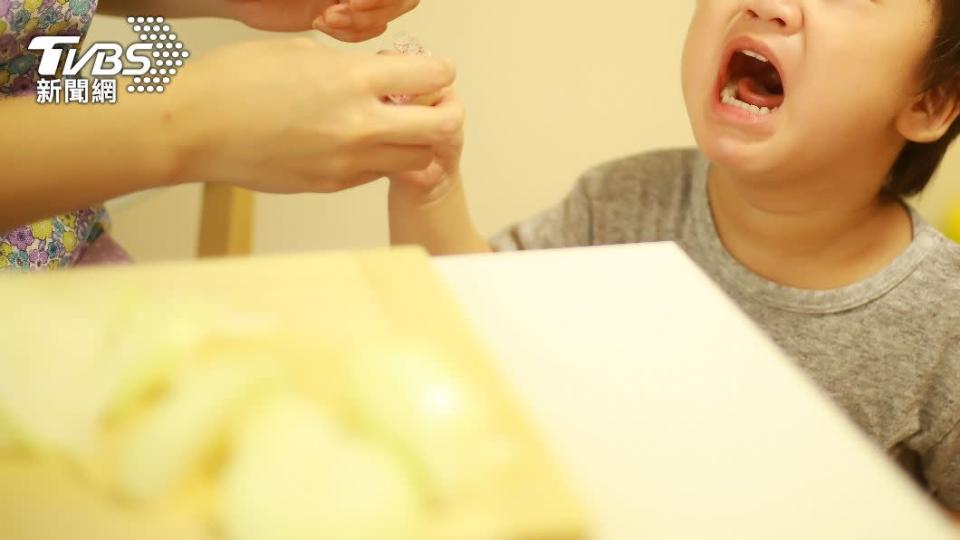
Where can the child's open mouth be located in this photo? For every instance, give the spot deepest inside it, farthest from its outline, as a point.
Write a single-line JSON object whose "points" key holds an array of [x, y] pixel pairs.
{"points": [[752, 84]]}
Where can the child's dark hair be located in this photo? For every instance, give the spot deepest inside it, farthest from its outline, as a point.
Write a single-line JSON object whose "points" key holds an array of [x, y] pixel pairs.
{"points": [[919, 161]]}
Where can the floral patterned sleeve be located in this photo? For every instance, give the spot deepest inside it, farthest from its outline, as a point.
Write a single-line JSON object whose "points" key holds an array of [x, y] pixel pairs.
{"points": [[59, 241], [53, 243]]}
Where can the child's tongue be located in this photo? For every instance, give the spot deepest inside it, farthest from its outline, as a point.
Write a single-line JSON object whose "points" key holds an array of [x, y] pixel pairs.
{"points": [[752, 91]]}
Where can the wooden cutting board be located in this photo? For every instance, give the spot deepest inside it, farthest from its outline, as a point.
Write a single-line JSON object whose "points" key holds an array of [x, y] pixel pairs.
{"points": [[337, 298]]}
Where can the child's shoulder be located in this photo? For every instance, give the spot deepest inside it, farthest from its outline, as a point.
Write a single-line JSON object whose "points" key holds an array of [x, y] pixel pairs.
{"points": [[649, 173], [943, 258], [935, 284], [944, 265], [646, 197]]}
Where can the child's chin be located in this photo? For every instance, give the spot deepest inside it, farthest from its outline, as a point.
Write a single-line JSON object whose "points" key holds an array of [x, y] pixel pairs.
{"points": [[751, 159]]}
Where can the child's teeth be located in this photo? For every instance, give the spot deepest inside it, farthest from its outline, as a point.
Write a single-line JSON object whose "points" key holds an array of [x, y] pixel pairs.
{"points": [[729, 91], [728, 96], [756, 55]]}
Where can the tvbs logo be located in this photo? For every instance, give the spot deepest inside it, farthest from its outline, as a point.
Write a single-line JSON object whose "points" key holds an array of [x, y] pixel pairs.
{"points": [[152, 62], [107, 57]]}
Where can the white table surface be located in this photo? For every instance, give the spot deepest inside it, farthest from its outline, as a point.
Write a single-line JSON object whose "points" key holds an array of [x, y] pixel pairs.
{"points": [[675, 416]]}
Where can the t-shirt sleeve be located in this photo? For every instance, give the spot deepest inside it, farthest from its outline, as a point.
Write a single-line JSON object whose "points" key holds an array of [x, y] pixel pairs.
{"points": [[942, 470], [567, 224], [640, 198], [941, 461]]}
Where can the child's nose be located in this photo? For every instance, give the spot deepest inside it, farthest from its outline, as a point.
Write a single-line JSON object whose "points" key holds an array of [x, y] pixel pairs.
{"points": [[785, 14]]}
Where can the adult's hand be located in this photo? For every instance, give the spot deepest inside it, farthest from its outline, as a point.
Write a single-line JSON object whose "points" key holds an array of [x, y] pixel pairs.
{"points": [[292, 116], [346, 20]]}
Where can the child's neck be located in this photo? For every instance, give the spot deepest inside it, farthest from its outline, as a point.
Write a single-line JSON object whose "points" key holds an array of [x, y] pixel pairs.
{"points": [[808, 233]]}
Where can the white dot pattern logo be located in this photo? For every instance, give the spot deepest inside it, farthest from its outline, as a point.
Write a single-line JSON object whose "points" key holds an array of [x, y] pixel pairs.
{"points": [[168, 52]]}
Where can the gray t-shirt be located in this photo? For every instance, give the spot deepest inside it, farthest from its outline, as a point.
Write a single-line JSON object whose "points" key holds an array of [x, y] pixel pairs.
{"points": [[886, 348]]}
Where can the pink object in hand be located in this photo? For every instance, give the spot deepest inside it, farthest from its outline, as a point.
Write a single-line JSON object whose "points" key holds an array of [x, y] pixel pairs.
{"points": [[407, 44]]}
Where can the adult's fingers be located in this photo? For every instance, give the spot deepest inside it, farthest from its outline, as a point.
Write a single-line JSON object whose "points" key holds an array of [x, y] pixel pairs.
{"points": [[408, 75], [420, 125], [338, 22], [354, 36], [371, 5], [378, 17]]}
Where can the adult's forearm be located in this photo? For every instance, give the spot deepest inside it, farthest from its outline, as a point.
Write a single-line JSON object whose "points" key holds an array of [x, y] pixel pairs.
{"points": [[60, 158], [165, 8]]}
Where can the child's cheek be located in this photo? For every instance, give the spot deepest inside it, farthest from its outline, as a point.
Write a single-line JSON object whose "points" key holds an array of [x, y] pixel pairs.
{"points": [[697, 66]]}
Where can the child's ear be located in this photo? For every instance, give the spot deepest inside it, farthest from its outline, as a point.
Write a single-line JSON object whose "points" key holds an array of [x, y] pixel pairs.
{"points": [[930, 114]]}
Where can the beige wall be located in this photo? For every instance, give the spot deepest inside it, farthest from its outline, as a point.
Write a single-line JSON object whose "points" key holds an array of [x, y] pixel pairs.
{"points": [[551, 86]]}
